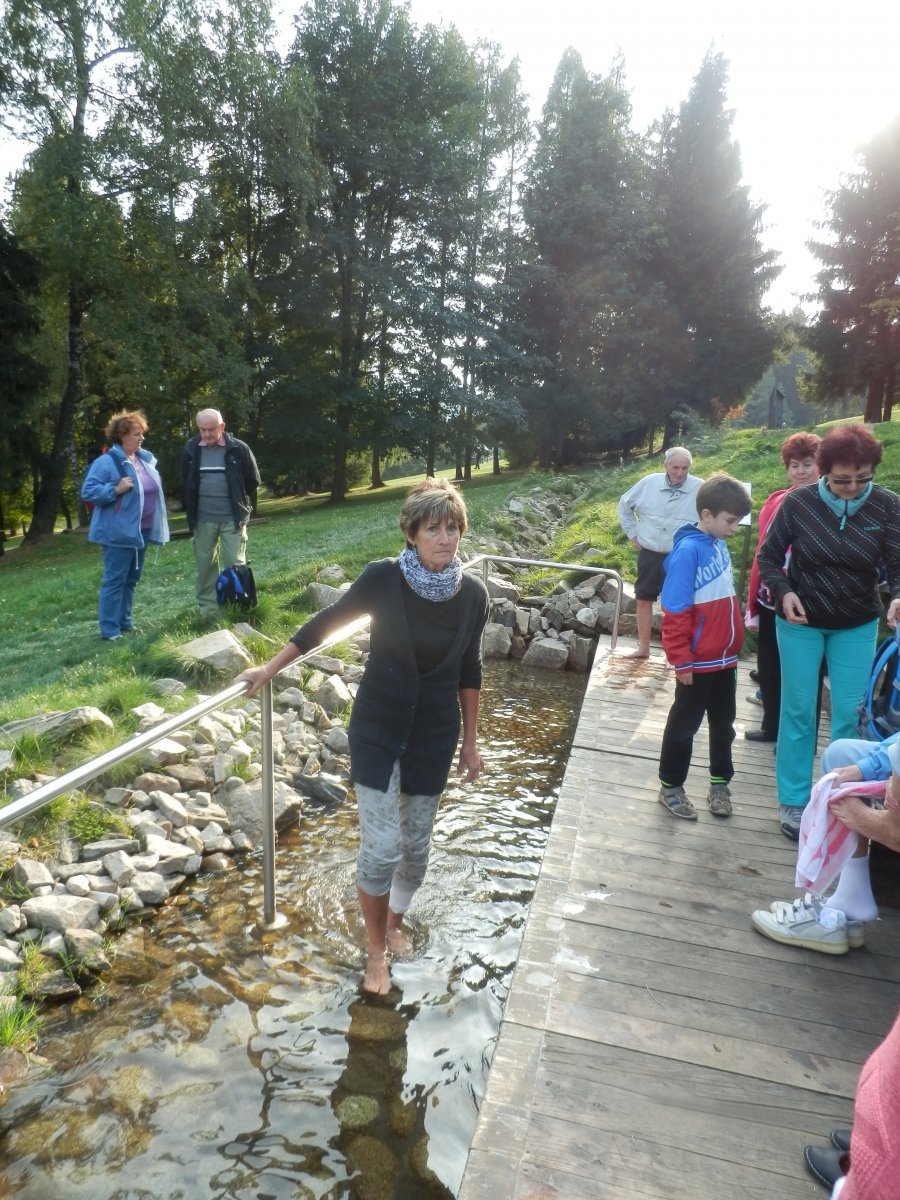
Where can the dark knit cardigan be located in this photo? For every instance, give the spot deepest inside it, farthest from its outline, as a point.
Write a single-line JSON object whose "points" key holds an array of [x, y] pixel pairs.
{"points": [[833, 570], [398, 713]]}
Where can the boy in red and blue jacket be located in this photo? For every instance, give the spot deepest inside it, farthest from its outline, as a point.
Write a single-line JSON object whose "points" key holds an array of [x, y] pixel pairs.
{"points": [[702, 634]]}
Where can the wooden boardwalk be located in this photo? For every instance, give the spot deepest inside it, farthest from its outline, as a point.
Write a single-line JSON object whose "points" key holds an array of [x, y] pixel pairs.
{"points": [[653, 1044]]}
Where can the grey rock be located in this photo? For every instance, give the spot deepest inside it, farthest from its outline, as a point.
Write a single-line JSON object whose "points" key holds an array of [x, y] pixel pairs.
{"points": [[170, 808], [327, 789], [333, 695], [66, 871], [117, 797], [153, 781], [332, 574], [56, 985], [547, 653], [94, 850], [163, 752], [149, 714], [322, 595], [79, 885], [220, 650], [337, 741], [497, 639], [58, 726], [60, 912], [189, 775], [169, 687], [31, 874], [118, 866], [11, 919], [216, 863], [243, 803], [85, 947], [499, 588], [174, 857], [151, 886]]}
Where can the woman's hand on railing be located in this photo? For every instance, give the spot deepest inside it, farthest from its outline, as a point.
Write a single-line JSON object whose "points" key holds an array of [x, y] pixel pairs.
{"points": [[257, 677]]}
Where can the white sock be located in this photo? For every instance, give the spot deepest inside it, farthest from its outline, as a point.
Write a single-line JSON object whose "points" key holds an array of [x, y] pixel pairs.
{"points": [[853, 894]]}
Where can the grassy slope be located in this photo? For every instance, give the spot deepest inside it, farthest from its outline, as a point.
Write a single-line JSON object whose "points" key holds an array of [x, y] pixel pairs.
{"points": [[50, 654]]}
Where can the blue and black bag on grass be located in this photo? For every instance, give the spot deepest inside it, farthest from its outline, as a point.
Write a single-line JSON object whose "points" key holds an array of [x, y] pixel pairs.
{"points": [[237, 586], [879, 709]]}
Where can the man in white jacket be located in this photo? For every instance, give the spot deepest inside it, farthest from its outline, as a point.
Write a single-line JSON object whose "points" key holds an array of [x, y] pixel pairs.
{"points": [[649, 514]]}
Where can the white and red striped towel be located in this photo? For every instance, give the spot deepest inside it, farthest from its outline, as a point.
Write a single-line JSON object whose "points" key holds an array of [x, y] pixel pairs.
{"points": [[826, 844]]}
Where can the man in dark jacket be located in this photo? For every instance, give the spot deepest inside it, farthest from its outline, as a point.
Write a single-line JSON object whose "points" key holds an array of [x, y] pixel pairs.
{"points": [[219, 479]]}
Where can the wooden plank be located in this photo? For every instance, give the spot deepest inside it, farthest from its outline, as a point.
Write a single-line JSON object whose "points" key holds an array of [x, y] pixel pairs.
{"points": [[654, 1046]]}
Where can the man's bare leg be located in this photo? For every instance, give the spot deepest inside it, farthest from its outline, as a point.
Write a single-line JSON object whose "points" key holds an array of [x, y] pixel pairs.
{"points": [[377, 978], [644, 629]]}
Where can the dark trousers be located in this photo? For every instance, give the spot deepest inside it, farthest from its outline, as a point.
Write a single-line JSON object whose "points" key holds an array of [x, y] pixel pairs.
{"points": [[711, 695], [768, 664]]}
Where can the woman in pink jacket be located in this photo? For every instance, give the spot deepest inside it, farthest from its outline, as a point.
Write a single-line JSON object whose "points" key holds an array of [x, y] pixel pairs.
{"points": [[798, 453]]}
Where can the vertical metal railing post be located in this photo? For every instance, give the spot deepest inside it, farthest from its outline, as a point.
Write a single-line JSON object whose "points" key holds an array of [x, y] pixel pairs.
{"points": [[271, 918]]}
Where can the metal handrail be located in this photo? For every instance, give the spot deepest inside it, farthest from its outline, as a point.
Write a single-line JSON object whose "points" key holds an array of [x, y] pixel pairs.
{"points": [[17, 810]]}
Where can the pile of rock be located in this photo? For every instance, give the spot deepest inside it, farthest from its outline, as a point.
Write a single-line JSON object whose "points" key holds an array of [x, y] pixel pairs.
{"points": [[193, 805], [560, 629], [555, 631]]}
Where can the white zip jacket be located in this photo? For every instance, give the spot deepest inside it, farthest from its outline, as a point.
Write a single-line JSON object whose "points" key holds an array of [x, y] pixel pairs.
{"points": [[652, 510]]}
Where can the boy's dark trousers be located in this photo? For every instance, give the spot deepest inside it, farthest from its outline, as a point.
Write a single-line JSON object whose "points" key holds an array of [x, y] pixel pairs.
{"points": [[712, 694]]}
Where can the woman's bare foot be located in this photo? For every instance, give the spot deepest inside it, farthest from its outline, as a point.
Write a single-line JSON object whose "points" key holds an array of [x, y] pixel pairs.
{"points": [[399, 943], [377, 979], [638, 654]]}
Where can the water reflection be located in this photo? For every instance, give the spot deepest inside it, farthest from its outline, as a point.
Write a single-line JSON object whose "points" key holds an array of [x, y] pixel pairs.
{"points": [[220, 1063]]}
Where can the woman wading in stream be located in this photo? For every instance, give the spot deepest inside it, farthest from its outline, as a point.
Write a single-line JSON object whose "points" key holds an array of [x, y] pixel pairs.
{"points": [[422, 674]]}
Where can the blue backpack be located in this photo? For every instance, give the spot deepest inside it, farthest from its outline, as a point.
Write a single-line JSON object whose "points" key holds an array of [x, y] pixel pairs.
{"points": [[879, 709], [237, 586]]}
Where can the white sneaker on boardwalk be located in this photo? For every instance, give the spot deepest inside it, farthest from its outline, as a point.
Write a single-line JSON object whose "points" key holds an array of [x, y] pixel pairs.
{"points": [[801, 924]]}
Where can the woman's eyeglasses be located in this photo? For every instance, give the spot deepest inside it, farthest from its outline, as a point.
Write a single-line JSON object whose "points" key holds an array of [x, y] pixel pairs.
{"points": [[848, 481]]}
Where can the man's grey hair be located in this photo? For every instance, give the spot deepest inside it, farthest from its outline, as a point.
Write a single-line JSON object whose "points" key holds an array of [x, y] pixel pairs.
{"points": [[673, 450]]}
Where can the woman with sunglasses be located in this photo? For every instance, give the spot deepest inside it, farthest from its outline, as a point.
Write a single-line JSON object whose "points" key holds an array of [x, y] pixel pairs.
{"points": [[820, 561]]}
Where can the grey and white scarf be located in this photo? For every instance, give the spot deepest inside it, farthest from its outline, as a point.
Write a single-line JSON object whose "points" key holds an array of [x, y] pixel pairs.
{"points": [[430, 585]]}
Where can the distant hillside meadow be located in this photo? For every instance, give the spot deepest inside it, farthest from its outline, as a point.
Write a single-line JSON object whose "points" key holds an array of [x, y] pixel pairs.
{"points": [[51, 656]]}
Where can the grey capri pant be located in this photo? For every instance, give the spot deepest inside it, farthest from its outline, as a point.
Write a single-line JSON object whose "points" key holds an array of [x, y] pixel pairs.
{"points": [[394, 839]]}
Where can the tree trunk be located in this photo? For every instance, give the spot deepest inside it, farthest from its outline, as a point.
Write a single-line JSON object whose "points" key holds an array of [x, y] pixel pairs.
{"points": [[375, 480], [49, 492], [874, 398], [889, 389], [339, 473], [495, 470], [670, 434]]}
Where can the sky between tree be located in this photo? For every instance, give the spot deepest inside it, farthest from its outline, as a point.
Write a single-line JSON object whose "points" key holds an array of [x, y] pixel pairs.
{"points": [[809, 82]]}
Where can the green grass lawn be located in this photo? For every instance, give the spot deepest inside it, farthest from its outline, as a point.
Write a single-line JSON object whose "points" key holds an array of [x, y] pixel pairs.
{"points": [[50, 653], [51, 656]]}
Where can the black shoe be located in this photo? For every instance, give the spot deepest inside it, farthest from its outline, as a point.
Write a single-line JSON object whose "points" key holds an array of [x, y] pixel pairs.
{"points": [[758, 735], [825, 1163], [840, 1139], [754, 675]]}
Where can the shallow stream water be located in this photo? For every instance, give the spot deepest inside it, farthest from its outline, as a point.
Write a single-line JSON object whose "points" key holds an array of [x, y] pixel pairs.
{"points": [[215, 1061]]}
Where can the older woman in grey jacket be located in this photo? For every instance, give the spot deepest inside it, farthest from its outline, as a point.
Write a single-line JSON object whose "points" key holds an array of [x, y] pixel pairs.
{"points": [[421, 681]]}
